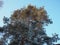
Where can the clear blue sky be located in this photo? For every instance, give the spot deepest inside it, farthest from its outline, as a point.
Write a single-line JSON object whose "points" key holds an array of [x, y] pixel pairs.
{"points": [[51, 6]]}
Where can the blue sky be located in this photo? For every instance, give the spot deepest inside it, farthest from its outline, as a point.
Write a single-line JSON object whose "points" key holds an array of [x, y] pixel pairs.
{"points": [[51, 6]]}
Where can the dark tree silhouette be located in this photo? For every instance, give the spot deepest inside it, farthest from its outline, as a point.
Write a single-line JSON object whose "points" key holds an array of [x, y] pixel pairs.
{"points": [[26, 26]]}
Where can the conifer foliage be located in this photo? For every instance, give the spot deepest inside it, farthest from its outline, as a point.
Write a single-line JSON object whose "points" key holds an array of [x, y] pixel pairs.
{"points": [[26, 27]]}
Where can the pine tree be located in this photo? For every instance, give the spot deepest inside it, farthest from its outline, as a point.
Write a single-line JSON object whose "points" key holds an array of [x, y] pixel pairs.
{"points": [[26, 26]]}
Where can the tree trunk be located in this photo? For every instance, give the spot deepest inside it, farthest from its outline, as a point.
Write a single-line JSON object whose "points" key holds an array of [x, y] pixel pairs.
{"points": [[22, 41]]}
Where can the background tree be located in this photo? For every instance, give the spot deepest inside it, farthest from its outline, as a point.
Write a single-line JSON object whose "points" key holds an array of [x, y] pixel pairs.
{"points": [[1, 3], [26, 27]]}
